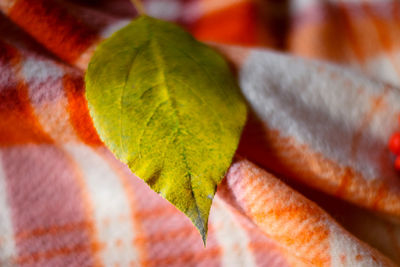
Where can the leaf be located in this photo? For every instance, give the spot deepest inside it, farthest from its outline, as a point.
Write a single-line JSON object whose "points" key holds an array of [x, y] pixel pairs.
{"points": [[169, 107]]}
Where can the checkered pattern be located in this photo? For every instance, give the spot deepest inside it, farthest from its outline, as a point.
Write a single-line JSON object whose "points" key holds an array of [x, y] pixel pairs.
{"points": [[312, 183]]}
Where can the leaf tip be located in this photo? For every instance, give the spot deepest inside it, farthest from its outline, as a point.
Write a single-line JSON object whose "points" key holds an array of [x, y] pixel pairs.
{"points": [[201, 223], [204, 238], [202, 227]]}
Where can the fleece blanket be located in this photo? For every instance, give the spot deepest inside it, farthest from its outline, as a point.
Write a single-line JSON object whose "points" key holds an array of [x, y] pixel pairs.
{"points": [[312, 184]]}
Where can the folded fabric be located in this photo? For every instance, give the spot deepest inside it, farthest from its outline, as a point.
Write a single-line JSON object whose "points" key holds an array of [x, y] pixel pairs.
{"points": [[312, 184]]}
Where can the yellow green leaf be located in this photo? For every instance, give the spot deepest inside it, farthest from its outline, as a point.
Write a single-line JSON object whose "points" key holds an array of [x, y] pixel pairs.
{"points": [[169, 107]]}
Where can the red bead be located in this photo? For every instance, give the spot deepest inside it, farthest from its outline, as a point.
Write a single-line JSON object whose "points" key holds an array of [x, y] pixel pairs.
{"points": [[394, 143], [397, 163]]}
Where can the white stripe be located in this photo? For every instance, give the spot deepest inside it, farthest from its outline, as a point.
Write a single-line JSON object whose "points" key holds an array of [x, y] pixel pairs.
{"points": [[299, 6], [7, 242], [316, 107], [46, 92], [381, 67], [346, 251], [164, 9], [358, 1], [111, 209], [110, 29], [37, 71], [231, 236]]}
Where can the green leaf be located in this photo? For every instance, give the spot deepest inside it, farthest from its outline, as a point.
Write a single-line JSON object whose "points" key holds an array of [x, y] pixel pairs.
{"points": [[169, 107]]}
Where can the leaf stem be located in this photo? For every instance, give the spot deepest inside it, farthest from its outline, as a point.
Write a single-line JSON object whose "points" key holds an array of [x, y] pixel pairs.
{"points": [[139, 7]]}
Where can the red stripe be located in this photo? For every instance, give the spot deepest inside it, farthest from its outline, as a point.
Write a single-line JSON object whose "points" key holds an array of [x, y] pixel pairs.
{"points": [[52, 26], [78, 110], [18, 124], [235, 24]]}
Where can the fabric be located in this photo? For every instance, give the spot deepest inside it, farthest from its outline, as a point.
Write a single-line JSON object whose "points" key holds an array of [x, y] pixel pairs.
{"points": [[312, 184]]}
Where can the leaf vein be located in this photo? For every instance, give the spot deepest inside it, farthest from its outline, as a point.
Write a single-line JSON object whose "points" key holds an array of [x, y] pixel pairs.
{"points": [[201, 100], [183, 153], [147, 124], [121, 125]]}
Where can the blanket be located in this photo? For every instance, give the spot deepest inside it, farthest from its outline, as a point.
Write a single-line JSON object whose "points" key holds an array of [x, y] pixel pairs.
{"points": [[313, 182]]}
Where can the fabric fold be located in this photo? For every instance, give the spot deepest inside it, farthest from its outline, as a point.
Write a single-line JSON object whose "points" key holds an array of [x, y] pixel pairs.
{"points": [[311, 123]]}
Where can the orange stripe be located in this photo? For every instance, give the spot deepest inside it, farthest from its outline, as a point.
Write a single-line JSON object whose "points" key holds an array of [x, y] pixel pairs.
{"points": [[248, 225], [157, 237], [78, 110], [320, 39], [155, 212], [381, 28], [376, 104], [349, 174], [287, 158], [184, 258], [345, 182], [349, 30], [52, 230], [52, 26], [18, 123], [35, 257], [341, 32], [292, 209], [384, 35], [235, 24]]}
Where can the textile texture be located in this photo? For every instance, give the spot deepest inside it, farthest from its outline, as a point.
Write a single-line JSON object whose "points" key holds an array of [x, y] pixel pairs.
{"points": [[312, 183]]}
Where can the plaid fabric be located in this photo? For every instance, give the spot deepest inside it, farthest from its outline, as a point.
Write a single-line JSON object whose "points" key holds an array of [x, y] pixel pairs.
{"points": [[312, 184]]}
